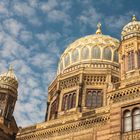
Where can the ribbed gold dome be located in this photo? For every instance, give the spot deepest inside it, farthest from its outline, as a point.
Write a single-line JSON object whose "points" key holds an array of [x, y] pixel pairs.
{"points": [[9, 78], [89, 49], [131, 29]]}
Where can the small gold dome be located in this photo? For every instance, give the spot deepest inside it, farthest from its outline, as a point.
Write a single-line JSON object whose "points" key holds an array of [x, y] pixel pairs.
{"points": [[9, 78], [131, 29], [89, 49]]}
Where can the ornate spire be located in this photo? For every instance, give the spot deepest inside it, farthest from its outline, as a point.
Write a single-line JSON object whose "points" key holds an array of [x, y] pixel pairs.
{"points": [[10, 68], [134, 18], [99, 31], [10, 72]]}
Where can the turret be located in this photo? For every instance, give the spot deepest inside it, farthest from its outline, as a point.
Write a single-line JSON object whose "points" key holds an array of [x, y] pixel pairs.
{"points": [[129, 52], [8, 97]]}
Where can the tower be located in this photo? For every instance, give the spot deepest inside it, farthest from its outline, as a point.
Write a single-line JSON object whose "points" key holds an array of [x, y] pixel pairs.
{"points": [[129, 52], [8, 97]]}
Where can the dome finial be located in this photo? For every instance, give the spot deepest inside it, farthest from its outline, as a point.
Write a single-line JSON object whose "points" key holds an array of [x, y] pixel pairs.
{"points": [[99, 31], [11, 68], [134, 18]]}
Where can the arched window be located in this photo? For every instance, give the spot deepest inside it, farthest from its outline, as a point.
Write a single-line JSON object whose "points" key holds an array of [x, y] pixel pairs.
{"points": [[94, 98], [116, 56], [75, 56], [96, 53], [85, 53], [66, 102], [88, 100], [136, 119], [69, 101], [63, 103], [67, 60], [127, 119], [73, 100], [107, 54], [54, 108], [130, 60], [99, 98]]}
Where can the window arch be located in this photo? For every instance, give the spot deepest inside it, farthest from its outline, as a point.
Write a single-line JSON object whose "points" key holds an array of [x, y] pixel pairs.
{"points": [[63, 103], [94, 98], [73, 100], [85, 53], [116, 59], [66, 102], [136, 119], [107, 54], [69, 101], [54, 109], [88, 100], [67, 60], [127, 119], [75, 56], [130, 60], [96, 53]]}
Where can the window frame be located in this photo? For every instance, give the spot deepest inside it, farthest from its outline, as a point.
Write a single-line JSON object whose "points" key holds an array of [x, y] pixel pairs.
{"points": [[68, 101], [95, 94], [126, 117], [130, 61], [131, 108]]}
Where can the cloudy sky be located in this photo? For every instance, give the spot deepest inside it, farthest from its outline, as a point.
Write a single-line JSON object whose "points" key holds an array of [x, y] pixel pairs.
{"points": [[34, 33]]}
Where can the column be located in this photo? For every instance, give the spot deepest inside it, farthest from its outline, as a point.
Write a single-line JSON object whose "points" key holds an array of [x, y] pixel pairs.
{"points": [[136, 59], [48, 104], [60, 102], [126, 63]]}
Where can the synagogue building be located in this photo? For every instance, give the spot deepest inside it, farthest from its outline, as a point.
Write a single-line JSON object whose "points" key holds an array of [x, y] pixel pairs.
{"points": [[95, 95]]}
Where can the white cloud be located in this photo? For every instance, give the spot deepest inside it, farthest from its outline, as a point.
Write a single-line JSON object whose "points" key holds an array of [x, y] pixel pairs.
{"points": [[42, 60], [11, 48], [57, 15], [24, 9], [13, 26], [25, 35], [3, 9], [48, 36], [90, 17], [57, 11], [116, 23], [50, 5], [34, 3]]}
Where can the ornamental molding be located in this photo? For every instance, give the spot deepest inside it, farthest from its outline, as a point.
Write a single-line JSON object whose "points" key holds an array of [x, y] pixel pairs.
{"points": [[93, 66], [63, 129], [122, 95]]}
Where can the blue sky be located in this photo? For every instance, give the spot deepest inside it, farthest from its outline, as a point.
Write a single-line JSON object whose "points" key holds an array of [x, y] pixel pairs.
{"points": [[34, 33]]}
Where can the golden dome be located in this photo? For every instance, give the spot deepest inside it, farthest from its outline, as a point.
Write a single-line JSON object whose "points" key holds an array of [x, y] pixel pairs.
{"points": [[131, 29], [9, 78], [88, 49]]}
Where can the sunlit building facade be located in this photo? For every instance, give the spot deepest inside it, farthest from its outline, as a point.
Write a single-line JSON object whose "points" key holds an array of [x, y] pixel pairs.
{"points": [[96, 93]]}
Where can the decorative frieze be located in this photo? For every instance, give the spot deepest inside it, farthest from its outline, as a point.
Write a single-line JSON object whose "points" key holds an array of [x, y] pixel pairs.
{"points": [[94, 79], [124, 95], [69, 82], [63, 129]]}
